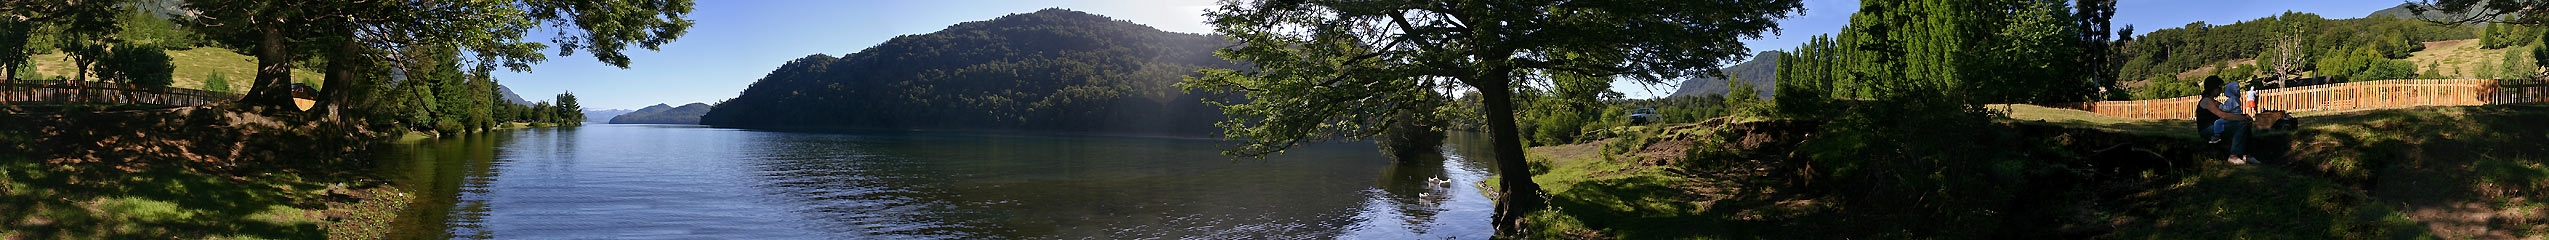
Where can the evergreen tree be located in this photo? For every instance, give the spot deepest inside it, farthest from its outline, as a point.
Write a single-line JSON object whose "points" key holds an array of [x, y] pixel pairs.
{"points": [[568, 111]]}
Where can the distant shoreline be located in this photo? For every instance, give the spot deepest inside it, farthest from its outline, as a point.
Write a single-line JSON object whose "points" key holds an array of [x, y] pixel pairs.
{"points": [[842, 129]]}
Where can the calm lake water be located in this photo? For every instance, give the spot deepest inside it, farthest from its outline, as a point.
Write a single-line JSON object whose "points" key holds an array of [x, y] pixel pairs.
{"points": [[666, 181]]}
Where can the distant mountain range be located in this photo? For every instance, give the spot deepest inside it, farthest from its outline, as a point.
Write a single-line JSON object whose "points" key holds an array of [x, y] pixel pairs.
{"points": [[510, 97], [2401, 11], [1762, 71], [604, 115], [664, 114], [1053, 70]]}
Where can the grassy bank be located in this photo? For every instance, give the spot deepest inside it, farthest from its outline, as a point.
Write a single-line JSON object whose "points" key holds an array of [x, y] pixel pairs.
{"points": [[194, 172], [2444, 172], [193, 68]]}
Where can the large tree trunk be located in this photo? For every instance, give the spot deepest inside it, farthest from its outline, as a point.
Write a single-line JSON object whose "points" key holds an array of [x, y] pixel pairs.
{"points": [[274, 69], [341, 75], [1520, 195]]}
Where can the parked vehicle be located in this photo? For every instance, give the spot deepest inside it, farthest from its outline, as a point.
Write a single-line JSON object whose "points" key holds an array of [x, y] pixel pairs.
{"points": [[1642, 116]]}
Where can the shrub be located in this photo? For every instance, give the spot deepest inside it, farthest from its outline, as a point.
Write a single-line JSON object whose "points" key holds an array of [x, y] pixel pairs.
{"points": [[1559, 127], [138, 64], [217, 82]]}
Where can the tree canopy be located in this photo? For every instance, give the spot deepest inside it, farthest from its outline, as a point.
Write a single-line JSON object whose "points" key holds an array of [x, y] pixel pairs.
{"points": [[351, 33], [1330, 70]]}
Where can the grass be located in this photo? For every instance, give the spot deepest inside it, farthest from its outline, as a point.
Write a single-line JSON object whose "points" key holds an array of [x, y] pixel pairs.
{"points": [[48, 202], [190, 172], [2457, 58], [193, 66], [2084, 119], [2417, 173]]}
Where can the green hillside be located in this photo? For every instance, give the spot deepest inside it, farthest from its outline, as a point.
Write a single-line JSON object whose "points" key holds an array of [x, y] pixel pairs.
{"points": [[664, 114], [1051, 70], [194, 66]]}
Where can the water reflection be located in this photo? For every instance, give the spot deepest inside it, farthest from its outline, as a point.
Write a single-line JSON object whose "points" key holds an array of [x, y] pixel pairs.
{"points": [[653, 181]]}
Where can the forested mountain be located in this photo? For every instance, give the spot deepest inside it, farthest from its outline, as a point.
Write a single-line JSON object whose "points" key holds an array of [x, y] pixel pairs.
{"points": [[664, 114], [2401, 11], [604, 115], [508, 96], [1762, 71], [1052, 70]]}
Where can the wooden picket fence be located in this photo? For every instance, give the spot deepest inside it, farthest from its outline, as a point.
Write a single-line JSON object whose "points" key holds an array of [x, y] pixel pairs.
{"points": [[2336, 97], [66, 92]]}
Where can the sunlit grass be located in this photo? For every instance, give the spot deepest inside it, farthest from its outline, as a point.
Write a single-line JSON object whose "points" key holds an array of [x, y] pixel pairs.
{"points": [[39, 201], [193, 67]]}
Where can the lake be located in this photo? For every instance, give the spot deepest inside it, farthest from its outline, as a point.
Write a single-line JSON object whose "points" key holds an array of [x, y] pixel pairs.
{"points": [[674, 181]]}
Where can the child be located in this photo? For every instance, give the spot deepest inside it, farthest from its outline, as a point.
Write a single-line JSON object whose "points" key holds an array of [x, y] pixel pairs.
{"points": [[2233, 124]]}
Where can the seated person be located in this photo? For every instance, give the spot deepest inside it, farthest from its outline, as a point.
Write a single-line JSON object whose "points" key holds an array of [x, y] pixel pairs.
{"points": [[2231, 124]]}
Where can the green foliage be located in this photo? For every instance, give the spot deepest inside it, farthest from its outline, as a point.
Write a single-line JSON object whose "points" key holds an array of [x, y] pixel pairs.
{"points": [[25, 71], [137, 64], [2033, 58], [2539, 57], [1554, 128], [2167, 86], [2516, 65], [490, 33], [2242, 72], [217, 82], [459, 101], [1572, 105], [1900, 91], [2180, 49], [568, 112], [2024, 56], [145, 27], [2432, 71], [1745, 100], [1679, 109], [16, 38], [1336, 70], [2365, 64], [2499, 36]]}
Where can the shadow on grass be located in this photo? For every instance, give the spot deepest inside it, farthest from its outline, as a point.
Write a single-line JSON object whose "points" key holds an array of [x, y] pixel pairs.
{"points": [[190, 172], [2446, 172], [2463, 172], [1646, 207], [46, 203]]}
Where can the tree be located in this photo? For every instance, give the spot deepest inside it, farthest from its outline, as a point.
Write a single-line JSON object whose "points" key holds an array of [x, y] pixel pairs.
{"points": [[567, 110], [2286, 54], [15, 36], [1328, 70], [349, 34], [2099, 42], [137, 64], [20, 21], [217, 82], [2039, 55], [2539, 59]]}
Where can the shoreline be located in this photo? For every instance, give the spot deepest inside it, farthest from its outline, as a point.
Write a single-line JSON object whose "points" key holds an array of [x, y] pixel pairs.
{"points": [[196, 172]]}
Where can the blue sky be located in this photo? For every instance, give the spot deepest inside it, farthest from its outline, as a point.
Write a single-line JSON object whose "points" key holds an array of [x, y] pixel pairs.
{"points": [[736, 42]]}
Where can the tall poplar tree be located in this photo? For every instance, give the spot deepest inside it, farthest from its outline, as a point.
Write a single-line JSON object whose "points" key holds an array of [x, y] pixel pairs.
{"points": [[1333, 69]]}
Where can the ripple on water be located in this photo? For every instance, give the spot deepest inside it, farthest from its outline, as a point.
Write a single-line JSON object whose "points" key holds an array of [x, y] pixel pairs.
{"points": [[646, 181]]}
